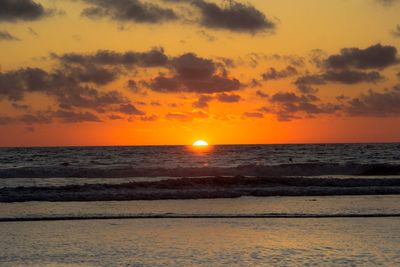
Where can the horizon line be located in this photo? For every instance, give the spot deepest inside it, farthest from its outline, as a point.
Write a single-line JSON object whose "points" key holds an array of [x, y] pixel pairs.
{"points": [[210, 144]]}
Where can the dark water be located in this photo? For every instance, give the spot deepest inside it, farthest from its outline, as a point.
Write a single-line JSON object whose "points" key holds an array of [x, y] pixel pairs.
{"points": [[329, 181], [131, 173], [182, 160]]}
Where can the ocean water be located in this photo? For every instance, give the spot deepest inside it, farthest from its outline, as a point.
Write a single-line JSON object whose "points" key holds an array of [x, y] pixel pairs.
{"points": [[250, 205], [156, 172], [155, 161]]}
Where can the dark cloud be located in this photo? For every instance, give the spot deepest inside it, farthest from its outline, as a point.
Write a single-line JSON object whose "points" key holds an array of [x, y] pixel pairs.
{"points": [[128, 11], [76, 117], [150, 118], [129, 109], [396, 32], [273, 74], [262, 94], [36, 118], [4, 120], [155, 104], [254, 83], [115, 117], [178, 116], [342, 97], [46, 117], [374, 57], [20, 10], [132, 85], [33, 32], [67, 90], [234, 16], [377, 104], [288, 106], [30, 129], [93, 74], [256, 115], [228, 98], [305, 83], [152, 58], [202, 102], [387, 2], [352, 77], [186, 117], [6, 36], [194, 74]]}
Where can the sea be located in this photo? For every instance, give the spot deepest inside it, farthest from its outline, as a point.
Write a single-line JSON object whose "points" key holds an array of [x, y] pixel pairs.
{"points": [[224, 205]]}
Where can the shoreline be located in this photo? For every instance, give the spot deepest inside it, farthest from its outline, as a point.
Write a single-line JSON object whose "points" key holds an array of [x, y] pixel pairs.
{"points": [[178, 216]]}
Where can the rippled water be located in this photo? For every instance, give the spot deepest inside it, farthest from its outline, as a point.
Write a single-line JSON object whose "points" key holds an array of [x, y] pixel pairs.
{"points": [[122, 162], [56, 172], [202, 242], [332, 205], [183, 156]]}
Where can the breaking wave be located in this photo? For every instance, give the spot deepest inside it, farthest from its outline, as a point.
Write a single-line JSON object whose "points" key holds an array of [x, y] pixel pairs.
{"points": [[203, 188]]}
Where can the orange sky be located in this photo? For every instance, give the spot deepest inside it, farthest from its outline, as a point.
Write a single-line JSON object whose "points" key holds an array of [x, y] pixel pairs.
{"points": [[136, 72]]}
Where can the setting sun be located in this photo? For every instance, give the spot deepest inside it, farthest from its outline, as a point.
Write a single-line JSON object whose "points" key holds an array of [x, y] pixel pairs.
{"points": [[200, 143]]}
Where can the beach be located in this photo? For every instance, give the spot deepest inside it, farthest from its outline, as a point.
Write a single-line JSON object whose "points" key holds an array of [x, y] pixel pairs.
{"points": [[284, 234], [202, 242]]}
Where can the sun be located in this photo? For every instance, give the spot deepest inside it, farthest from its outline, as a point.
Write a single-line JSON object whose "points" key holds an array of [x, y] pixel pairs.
{"points": [[200, 143]]}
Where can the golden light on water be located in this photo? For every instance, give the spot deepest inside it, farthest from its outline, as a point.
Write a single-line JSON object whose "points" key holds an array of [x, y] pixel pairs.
{"points": [[200, 143]]}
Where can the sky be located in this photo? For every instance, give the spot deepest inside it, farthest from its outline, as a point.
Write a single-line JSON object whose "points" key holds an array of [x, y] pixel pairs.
{"points": [[168, 72]]}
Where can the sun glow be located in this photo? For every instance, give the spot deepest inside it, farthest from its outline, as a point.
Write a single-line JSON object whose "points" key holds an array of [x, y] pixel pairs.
{"points": [[200, 143]]}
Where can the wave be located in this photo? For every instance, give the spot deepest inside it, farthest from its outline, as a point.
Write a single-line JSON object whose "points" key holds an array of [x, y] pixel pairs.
{"points": [[306, 169], [203, 188]]}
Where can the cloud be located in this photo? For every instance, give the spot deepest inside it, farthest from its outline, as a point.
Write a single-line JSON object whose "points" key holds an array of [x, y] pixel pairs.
{"points": [[305, 83], [155, 104], [76, 117], [129, 109], [6, 36], [262, 94], [68, 91], [4, 120], [153, 58], [255, 115], [194, 74], [93, 74], [36, 118], [288, 106], [33, 32], [374, 57], [22, 10], [150, 118], [187, 116], [387, 2], [178, 116], [234, 16], [202, 102], [396, 32], [228, 98], [132, 85], [128, 11], [273, 74], [376, 104]]}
